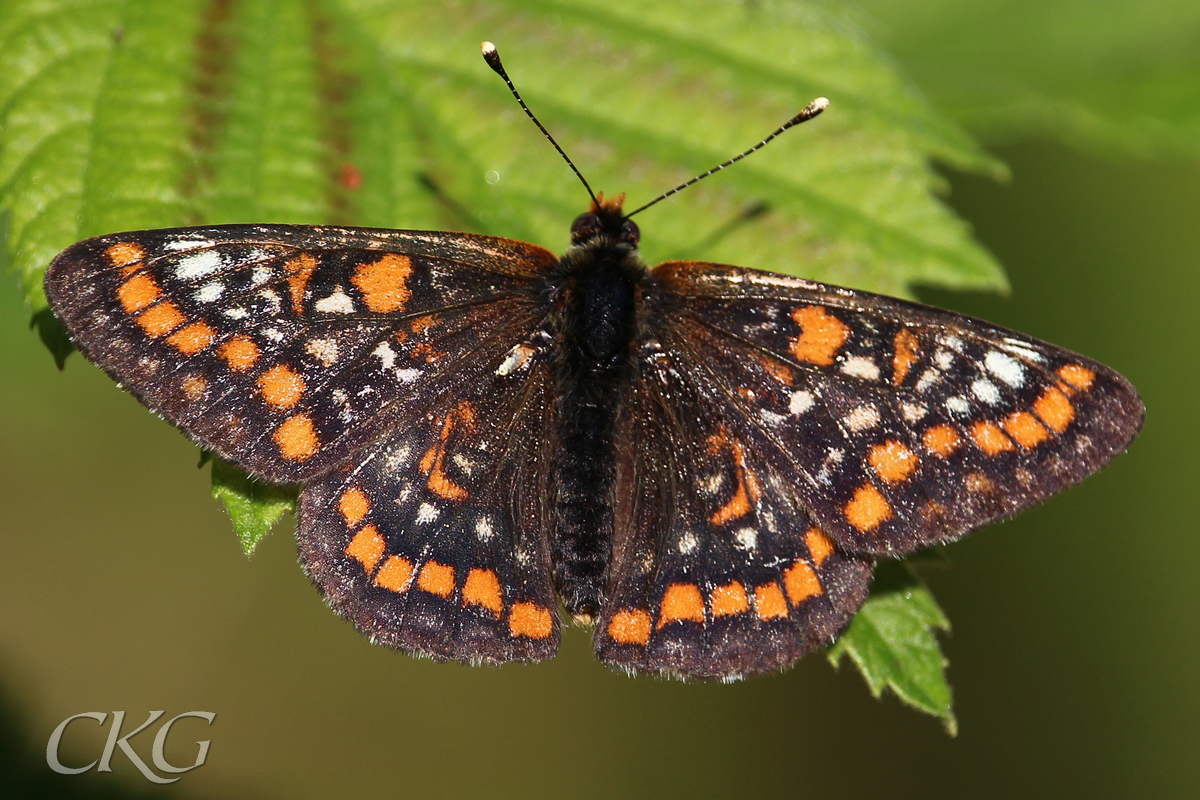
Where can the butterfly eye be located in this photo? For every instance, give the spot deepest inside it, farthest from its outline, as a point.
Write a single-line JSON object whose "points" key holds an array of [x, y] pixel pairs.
{"points": [[630, 234], [585, 227]]}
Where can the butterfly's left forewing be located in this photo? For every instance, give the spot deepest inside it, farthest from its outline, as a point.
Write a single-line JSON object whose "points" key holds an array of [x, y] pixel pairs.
{"points": [[895, 425]]}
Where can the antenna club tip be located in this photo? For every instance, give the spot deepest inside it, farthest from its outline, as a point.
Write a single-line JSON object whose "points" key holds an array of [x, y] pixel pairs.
{"points": [[818, 105], [492, 56]]}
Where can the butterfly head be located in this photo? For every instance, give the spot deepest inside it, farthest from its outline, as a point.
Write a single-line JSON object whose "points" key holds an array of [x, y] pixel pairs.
{"points": [[605, 222]]}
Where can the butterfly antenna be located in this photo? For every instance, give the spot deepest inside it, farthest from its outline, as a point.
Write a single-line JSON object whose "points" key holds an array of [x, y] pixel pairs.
{"points": [[492, 57], [811, 110]]}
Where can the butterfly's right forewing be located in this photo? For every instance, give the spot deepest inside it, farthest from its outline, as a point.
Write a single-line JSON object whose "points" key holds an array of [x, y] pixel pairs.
{"points": [[285, 348]]}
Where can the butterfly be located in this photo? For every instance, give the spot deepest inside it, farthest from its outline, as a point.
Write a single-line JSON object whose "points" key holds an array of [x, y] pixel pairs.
{"points": [[704, 461]]}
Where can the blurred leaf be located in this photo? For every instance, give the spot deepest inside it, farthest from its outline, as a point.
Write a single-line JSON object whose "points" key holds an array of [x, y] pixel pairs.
{"points": [[892, 643], [146, 114], [1109, 76], [253, 507]]}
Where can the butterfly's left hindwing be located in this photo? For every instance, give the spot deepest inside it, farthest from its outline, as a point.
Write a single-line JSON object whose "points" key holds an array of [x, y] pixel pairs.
{"points": [[717, 571], [285, 348], [896, 425]]}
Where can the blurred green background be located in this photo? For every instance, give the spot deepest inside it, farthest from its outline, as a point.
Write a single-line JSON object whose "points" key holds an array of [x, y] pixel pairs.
{"points": [[1074, 654]]}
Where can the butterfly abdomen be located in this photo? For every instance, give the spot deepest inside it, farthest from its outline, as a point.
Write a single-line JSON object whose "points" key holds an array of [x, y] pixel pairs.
{"points": [[595, 296]]}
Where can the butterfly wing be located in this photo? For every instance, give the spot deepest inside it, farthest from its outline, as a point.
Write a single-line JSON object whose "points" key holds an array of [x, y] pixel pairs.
{"points": [[433, 541], [717, 570], [896, 425], [285, 348]]}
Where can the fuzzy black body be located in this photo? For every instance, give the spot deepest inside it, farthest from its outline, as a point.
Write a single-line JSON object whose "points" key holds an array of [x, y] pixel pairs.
{"points": [[595, 295]]}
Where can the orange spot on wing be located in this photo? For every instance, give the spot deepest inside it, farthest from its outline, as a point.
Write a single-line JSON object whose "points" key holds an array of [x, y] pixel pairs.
{"points": [[906, 353], [746, 493], [297, 438], [395, 573], [778, 370], [482, 588], [1054, 409], [161, 319], [769, 602], [821, 335], [729, 599], [941, 439], [990, 438], [681, 601], [193, 387], [123, 254], [433, 461], [801, 582], [354, 505], [384, 283], [422, 324], [530, 620], [138, 292], [281, 387], [300, 270], [239, 352], [366, 547], [1077, 375], [1025, 429], [819, 546], [630, 627], [892, 461], [192, 339], [436, 578], [868, 509]]}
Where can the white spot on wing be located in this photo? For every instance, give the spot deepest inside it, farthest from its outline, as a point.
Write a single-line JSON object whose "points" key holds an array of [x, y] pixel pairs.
{"points": [[323, 350], [209, 292], [337, 303], [427, 513], [187, 244], [386, 355], [862, 418], [198, 265], [801, 401], [861, 367], [1004, 367], [747, 538], [408, 375], [1023, 350], [986, 391], [236, 313], [516, 359], [484, 529], [688, 543], [957, 405], [464, 463], [272, 298], [943, 359], [928, 378], [913, 411]]}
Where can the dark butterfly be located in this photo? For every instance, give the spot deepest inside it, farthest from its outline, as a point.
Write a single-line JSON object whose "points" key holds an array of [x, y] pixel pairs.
{"points": [[706, 460]]}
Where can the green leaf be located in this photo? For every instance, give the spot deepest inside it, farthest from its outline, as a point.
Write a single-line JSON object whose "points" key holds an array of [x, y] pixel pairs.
{"points": [[253, 507], [892, 643], [1111, 76]]}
